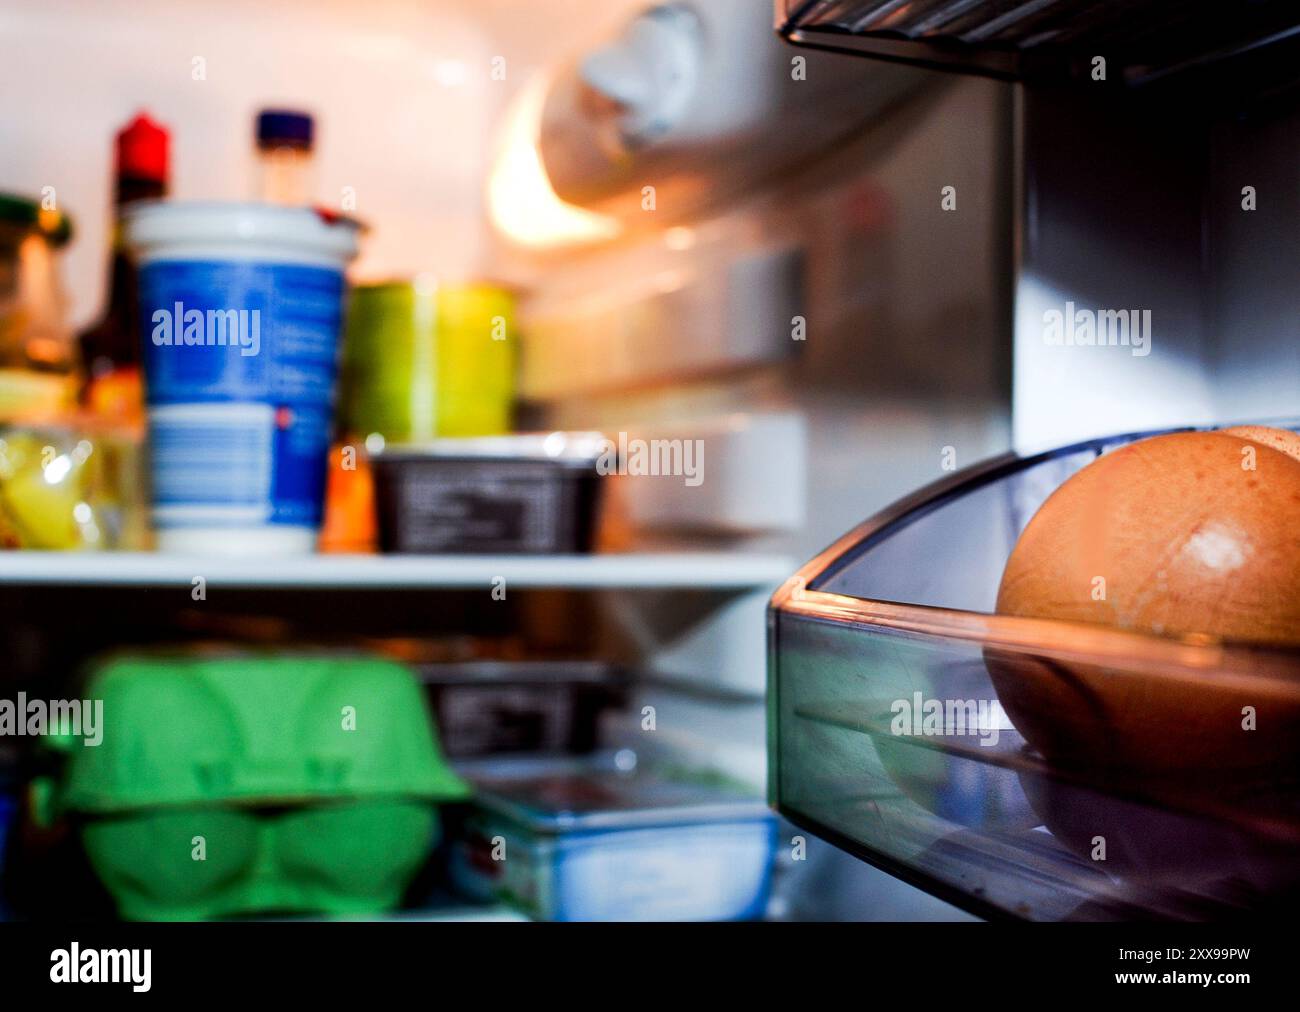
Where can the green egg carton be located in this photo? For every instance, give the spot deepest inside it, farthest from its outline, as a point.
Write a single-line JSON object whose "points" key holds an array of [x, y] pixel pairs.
{"points": [[247, 783]]}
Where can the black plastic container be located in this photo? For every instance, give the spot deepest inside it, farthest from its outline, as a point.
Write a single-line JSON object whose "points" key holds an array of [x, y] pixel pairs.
{"points": [[511, 707], [516, 495]]}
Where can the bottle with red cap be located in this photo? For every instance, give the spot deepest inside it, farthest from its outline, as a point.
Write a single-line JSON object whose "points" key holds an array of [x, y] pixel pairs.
{"points": [[111, 347]]}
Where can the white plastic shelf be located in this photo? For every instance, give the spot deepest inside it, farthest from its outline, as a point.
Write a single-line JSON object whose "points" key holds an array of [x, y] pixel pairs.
{"points": [[701, 570]]}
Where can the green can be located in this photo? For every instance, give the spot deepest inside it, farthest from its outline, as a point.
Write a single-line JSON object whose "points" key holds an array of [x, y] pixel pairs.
{"points": [[423, 360]]}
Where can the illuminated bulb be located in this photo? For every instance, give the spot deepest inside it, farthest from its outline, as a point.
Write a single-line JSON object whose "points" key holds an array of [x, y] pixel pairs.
{"points": [[521, 202], [679, 238]]}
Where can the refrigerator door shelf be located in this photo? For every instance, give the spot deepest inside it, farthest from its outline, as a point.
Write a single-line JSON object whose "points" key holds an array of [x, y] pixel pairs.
{"points": [[900, 707]]}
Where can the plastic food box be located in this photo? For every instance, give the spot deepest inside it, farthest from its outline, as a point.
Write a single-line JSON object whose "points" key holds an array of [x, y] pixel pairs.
{"points": [[498, 707], [1164, 807], [609, 846], [524, 494], [242, 783], [71, 487]]}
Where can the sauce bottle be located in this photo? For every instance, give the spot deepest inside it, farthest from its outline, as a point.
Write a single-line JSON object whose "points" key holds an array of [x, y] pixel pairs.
{"points": [[284, 157], [111, 347]]}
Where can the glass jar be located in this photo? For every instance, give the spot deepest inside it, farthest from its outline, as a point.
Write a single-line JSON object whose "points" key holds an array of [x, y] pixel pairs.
{"points": [[38, 357]]}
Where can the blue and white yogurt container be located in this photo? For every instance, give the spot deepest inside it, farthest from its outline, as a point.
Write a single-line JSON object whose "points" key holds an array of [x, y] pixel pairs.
{"points": [[241, 310]]}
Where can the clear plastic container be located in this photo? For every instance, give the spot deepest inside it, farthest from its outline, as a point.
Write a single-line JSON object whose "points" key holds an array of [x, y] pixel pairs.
{"points": [[1164, 808], [71, 487], [588, 844]]}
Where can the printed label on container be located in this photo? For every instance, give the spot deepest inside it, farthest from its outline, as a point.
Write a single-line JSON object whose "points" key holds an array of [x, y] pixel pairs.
{"points": [[240, 364]]}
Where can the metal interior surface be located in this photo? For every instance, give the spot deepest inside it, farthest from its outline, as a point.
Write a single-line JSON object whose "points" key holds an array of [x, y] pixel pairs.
{"points": [[1018, 39]]}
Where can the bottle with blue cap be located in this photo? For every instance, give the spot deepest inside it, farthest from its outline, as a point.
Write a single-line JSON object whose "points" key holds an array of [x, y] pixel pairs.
{"points": [[285, 140]]}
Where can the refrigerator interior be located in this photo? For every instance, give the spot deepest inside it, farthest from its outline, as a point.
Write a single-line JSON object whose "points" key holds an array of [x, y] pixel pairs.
{"points": [[823, 272]]}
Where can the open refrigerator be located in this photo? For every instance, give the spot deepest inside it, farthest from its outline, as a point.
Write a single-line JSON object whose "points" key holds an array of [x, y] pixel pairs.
{"points": [[721, 239]]}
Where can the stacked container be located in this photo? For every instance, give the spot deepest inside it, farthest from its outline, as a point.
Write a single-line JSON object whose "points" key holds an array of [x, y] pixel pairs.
{"points": [[239, 783]]}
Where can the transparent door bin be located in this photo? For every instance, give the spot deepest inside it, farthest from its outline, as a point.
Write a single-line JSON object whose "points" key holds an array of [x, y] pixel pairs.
{"points": [[1025, 767]]}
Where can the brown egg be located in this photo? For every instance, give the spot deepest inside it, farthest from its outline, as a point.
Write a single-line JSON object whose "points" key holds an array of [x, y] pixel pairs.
{"points": [[1176, 535], [1280, 439]]}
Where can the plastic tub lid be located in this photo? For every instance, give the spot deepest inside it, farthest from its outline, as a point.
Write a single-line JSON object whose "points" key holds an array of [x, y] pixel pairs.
{"points": [[161, 223], [563, 802], [490, 673], [572, 447]]}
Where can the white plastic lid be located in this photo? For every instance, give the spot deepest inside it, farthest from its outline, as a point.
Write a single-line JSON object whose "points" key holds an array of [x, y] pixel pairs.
{"points": [[153, 228], [564, 446]]}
